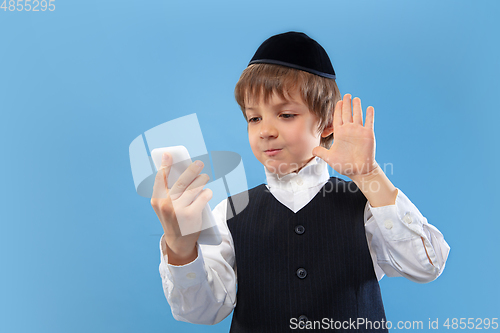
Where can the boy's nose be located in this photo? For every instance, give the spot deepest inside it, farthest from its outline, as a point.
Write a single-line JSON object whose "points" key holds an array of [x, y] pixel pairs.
{"points": [[267, 130]]}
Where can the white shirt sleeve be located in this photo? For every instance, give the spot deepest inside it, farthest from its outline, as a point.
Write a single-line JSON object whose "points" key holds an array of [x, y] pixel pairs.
{"points": [[204, 290], [403, 243]]}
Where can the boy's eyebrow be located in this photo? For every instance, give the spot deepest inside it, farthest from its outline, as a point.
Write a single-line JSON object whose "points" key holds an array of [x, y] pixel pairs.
{"points": [[276, 106]]}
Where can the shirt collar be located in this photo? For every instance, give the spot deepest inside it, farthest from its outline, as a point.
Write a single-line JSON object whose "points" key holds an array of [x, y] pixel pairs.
{"points": [[312, 174]]}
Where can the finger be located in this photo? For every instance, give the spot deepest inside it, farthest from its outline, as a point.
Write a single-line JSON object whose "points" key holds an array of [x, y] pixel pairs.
{"points": [[189, 195], [370, 117], [201, 201], [186, 179], [193, 222], [337, 115], [160, 187], [346, 109], [357, 111]]}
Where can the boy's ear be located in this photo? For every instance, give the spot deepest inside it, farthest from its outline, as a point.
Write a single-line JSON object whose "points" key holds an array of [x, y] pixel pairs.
{"points": [[328, 130]]}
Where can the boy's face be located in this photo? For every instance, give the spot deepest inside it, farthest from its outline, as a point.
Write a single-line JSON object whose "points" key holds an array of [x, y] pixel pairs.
{"points": [[282, 133]]}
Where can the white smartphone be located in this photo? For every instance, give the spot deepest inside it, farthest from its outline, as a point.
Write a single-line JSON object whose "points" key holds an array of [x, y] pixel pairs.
{"points": [[210, 234]]}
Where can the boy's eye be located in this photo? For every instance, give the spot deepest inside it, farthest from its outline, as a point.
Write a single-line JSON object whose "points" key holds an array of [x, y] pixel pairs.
{"points": [[253, 119], [287, 115]]}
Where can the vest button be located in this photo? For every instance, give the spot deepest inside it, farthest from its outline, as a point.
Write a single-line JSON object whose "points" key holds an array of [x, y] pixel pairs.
{"points": [[299, 230], [303, 318], [301, 273]]}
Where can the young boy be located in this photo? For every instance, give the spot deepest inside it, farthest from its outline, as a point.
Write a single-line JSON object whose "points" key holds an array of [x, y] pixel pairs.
{"points": [[309, 249]]}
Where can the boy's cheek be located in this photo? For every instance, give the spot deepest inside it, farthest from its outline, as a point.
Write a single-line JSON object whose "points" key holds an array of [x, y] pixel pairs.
{"points": [[256, 152]]}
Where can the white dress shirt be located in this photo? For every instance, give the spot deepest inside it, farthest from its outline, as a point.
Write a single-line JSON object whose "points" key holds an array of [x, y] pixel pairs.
{"points": [[400, 240]]}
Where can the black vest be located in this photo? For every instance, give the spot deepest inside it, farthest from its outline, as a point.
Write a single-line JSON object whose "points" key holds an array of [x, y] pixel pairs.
{"points": [[313, 265]]}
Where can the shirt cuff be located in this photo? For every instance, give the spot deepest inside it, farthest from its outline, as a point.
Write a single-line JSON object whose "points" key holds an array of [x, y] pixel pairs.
{"points": [[401, 221], [183, 276]]}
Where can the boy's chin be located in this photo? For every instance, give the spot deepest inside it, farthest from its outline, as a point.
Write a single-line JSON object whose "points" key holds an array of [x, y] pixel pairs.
{"points": [[283, 169]]}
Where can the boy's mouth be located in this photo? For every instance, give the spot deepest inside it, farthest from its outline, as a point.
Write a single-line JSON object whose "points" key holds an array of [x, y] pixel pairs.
{"points": [[272, 152]]}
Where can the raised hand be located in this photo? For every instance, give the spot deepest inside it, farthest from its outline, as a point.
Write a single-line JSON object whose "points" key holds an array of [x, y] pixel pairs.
{"points": [[353, 150], [179, 209]]}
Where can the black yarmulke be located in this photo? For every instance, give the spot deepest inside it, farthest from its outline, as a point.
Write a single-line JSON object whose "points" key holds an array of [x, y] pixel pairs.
{"points": [[295, 50]]}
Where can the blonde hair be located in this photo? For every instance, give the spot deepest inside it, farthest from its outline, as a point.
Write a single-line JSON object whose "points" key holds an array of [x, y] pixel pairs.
{"points": [[320, 94]]}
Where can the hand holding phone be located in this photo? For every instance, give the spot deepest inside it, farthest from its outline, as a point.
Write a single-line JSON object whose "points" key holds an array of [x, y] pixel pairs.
{"points": [[179, 190]]}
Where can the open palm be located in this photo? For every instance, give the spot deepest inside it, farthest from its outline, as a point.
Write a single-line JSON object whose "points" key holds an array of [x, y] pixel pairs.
{"points": [[353, 150]]}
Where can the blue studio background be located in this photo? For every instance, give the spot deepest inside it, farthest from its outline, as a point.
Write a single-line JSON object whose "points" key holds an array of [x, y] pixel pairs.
{"points": [[78, 246]]}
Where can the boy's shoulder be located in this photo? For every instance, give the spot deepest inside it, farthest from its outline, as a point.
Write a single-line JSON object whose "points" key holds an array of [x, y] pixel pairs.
{"points": [[342, 186], [338, 188]]}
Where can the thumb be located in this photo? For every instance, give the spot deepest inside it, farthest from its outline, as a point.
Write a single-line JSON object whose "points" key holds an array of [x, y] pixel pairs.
{"points": [[165, 158], [321, 152], [160, 185]]}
